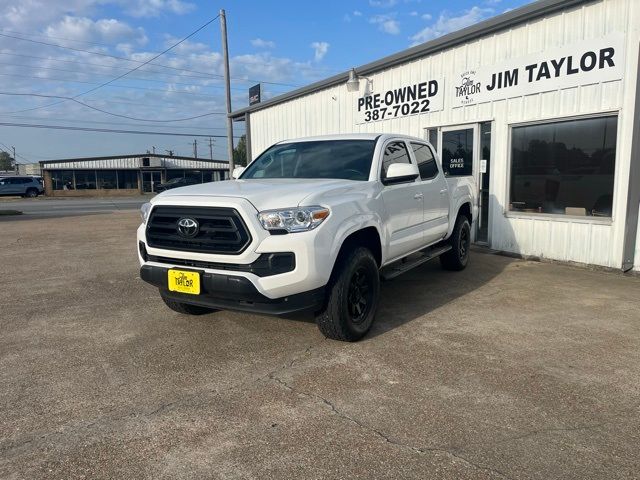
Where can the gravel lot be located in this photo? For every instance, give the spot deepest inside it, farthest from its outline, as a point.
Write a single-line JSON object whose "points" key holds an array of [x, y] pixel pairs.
{"points": [[510, 369]]}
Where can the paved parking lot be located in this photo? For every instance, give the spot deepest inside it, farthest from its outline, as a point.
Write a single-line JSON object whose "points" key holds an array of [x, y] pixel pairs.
{"points": [[510, 369]]}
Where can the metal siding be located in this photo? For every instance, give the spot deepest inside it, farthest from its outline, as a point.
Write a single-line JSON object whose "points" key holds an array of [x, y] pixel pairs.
{"points": [[561, 238]]}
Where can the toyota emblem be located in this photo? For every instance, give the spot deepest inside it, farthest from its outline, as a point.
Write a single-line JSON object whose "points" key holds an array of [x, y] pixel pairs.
{"points": [[188, 227]]}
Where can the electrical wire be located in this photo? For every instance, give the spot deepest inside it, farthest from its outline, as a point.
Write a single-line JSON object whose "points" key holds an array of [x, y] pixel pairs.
{"points": [[108, 130], [140, 62], [104, 84], [73, 99]]}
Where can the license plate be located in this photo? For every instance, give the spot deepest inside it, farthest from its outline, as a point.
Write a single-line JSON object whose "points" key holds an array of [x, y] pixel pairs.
{"points": [[184, 282]]}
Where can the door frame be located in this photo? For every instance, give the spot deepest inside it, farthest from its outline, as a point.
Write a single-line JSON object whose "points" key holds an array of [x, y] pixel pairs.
{"points": [[475, 170]]}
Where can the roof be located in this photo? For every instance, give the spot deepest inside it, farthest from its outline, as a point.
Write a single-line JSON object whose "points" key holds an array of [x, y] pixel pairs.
{"points": [[504, 21], [141, 155], [349, 136]]}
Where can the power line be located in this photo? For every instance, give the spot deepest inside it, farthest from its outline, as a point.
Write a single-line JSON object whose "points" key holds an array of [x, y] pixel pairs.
{"points": [[140, 62], [107, 130], [38, 67], [84, 82], [97, 122], [104, 84], [73, 99]]}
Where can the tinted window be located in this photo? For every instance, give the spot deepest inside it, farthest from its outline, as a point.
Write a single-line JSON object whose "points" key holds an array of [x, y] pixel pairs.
{"points": [[346, 159], [107, 179], [394, 152], [426, 162], [564, 167], [457, 152], [85, 179]]}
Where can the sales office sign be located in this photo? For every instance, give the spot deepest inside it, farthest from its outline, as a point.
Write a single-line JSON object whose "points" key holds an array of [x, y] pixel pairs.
{"points": [[583, 63], [414, 99]]}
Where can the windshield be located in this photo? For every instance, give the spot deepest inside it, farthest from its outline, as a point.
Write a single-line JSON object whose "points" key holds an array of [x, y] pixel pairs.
{"points": [[345, 159]]}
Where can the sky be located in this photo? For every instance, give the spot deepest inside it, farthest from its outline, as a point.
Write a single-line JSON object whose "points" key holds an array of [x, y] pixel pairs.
{"points": [[53, 52]]}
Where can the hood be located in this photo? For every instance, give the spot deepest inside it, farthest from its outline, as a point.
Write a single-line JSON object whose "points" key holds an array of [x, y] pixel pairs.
{"points": [[264, 194]]}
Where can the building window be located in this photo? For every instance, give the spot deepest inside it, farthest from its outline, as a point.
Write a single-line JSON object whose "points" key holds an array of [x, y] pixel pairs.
{"points": [[426, 161], [128, 179], [171, 174], [107, 179], [564, 167], [457, 152], [62, 179], [85, 179], [145, 161]]}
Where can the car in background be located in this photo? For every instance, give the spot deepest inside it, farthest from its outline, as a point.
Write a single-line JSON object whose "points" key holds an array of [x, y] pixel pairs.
{"points": [[175, 183], [22, 186]]}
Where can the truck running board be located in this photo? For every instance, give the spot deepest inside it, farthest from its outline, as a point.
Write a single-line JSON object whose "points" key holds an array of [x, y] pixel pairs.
{"points": [[404, 265]]}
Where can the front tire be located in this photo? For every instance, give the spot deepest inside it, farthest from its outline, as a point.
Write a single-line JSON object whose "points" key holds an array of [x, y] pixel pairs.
{"points": [[31, 193], [185, 308], [352, 298], [457, 258]]}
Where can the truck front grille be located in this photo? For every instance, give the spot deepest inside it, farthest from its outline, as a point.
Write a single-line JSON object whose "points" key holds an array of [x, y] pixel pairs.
{"points": [[220, 230]]}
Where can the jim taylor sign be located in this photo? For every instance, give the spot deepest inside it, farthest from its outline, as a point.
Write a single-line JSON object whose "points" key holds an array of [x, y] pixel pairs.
{"points": [[584, 63]]}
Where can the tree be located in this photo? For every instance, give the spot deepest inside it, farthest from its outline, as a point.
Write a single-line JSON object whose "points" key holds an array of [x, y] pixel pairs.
{"points": [[6, 161], [240, 152]]}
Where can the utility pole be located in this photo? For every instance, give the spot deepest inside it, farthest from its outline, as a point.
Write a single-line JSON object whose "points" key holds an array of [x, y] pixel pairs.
{"points": [[211, 148], [195, 148], [15, 160], [227, 81], [154, 149]]}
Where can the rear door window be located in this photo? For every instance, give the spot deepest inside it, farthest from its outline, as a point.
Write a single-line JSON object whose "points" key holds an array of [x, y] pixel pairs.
{"points": [[426, 161]]}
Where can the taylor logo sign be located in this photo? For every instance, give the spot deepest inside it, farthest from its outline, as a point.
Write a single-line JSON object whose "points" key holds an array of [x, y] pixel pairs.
{"points": [[468, 87], [415, 99], [585, 63]]}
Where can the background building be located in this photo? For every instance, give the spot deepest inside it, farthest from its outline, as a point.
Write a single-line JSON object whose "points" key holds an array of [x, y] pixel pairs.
{"points": [[539, 105], [125, 175]]}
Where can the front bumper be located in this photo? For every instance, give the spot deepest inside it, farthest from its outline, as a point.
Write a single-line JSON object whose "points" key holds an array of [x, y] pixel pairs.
{"points": [[232, 292]]}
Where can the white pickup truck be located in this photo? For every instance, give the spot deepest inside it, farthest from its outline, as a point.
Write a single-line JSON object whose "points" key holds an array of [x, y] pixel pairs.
{"points": [[310, 225]]}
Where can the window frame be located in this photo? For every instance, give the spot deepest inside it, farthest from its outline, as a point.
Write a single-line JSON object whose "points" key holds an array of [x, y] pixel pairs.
{"points": [[439, 169], [412, 160], [559, 216]]}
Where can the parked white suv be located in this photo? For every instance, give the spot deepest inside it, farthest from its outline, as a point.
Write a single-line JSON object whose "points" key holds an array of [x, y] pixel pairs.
{"points": [[311, 224]]}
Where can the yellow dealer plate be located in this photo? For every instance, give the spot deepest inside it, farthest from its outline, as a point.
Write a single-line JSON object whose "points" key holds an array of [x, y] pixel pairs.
{"points": [[184, 282]]}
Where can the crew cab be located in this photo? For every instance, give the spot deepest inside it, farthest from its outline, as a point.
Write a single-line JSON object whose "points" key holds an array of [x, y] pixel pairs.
{"points": [[312, 224]]}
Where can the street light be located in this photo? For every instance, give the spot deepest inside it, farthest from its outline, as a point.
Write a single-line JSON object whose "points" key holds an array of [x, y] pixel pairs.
{"points": [[353, 84]]}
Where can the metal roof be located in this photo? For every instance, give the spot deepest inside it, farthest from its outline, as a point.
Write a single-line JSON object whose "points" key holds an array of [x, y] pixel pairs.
{"points": [[504, 21], [142, 155]]}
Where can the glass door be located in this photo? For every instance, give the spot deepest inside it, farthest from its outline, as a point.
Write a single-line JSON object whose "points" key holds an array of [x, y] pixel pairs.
{"points": [[149, 181], [465, 152]]}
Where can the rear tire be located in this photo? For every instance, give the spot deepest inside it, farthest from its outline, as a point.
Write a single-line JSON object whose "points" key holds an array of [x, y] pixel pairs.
{"points": [[185, 308], [457, 258], [352, 298], [31, 193]]}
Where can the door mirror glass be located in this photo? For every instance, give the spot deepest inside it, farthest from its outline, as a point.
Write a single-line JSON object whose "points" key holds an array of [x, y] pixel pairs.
{"points": [[401, 172], [237, 172]]}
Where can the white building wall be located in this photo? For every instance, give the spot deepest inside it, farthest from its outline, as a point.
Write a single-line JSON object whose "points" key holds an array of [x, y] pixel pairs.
{"points": [[585, 240]]}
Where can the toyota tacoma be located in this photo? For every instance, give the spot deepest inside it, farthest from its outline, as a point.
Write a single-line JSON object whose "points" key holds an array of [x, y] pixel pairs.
{"points": [[313, 225]]}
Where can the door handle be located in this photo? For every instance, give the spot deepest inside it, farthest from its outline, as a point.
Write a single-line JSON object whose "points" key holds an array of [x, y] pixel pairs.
{"points": [[418, 196], [443, 191]]}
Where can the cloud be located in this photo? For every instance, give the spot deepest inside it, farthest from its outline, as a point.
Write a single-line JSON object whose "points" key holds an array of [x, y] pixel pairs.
{"points": [[447, 23], [386, 23], [413, 14], [320, 50], [383, 3], [426, 16], [260, 43], [106, 30], [357, 13]]}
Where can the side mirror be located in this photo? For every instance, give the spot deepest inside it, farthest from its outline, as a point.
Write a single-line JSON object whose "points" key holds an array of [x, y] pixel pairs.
{"points": [[237, 172], [401, 173]]}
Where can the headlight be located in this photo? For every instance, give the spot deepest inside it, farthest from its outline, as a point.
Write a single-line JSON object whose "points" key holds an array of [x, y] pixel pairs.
{"points": [[299, 219], [144, 211]]}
